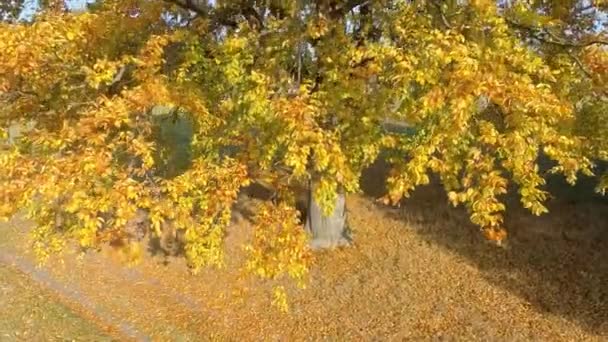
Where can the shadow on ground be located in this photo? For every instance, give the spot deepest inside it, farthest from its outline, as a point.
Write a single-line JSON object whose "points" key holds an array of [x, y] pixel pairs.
{"points": [[557, 262]]}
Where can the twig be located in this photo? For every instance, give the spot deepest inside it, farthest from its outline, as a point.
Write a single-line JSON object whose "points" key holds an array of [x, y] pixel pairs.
{"points": [[580, 64], [299, 63]]}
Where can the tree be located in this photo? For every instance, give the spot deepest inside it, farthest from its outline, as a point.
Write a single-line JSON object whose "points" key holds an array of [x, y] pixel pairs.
{"points": [[9, 10], [294, 92]]}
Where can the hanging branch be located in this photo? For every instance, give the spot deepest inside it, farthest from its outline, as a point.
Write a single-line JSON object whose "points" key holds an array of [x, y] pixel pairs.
{"points": [[548, 37], [582, 67], [544, 35]]}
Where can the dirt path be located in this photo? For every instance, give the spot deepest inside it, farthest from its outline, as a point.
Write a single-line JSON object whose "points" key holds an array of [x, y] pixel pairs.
{"points": [[419, 273]]}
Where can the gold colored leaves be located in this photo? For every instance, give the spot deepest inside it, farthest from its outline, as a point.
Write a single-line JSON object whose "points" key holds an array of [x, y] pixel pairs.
{"points": [[280, 244]]}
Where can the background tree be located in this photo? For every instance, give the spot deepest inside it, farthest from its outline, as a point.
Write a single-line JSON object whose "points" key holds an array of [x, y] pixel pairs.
{"points": [[295, 92], [9, 10]]}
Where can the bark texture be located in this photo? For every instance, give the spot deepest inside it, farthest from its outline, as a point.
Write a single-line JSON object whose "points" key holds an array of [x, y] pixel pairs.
{"points": [[327, 231]]}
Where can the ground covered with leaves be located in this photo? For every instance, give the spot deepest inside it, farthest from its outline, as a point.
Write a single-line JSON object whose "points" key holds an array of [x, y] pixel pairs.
{"points": [[420, 272], [30, 313]]}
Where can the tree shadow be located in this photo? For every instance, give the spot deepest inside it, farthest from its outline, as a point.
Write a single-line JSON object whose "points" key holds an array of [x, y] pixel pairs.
{"points": [[156, 248], [558, 262], [169, 248], [252, 196], [245, 208]]}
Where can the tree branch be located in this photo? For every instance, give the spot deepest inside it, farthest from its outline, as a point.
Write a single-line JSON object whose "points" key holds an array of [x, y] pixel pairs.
{"points": [[200, 8], [255, 14], [193, 6], [581, 66], [444, 19], [347, 7], [546, 36]]}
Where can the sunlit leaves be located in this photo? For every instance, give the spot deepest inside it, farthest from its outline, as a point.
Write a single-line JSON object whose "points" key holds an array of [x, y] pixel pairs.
{"points": [[304, 92], [279, 245], [92, 164]]}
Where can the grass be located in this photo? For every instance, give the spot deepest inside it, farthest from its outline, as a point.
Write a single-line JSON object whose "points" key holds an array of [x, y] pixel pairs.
{"points": [[30, 313]]}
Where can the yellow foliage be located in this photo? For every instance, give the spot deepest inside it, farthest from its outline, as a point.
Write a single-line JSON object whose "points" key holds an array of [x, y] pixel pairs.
{"points": [[280, 299], [302, 92], [279, 245]]}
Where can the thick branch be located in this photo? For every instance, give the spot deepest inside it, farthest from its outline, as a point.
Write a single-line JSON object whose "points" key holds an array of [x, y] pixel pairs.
{"points": [[194, 6], [347, 7], [200, 8]]}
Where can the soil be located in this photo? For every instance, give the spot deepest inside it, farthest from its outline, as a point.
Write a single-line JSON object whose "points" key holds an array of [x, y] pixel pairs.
{"points": [[419, 272]]}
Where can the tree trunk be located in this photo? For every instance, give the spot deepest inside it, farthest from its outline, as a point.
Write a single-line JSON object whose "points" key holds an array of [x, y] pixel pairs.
{"points": [[327, 231]]}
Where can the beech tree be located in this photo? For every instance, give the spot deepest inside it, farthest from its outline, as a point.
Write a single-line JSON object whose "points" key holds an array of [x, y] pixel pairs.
{"points": [[294, 92]]}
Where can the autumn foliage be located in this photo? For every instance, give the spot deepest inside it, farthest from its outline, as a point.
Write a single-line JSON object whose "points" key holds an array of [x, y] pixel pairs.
{"points": [[291, 90]]}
